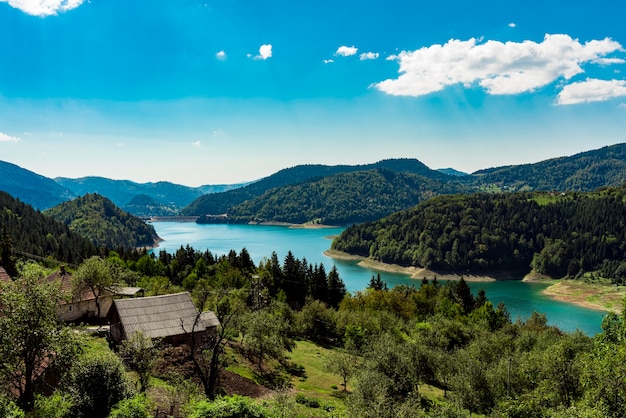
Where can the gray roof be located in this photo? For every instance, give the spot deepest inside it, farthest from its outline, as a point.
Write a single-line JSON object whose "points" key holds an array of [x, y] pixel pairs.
{"points": [[125, 291], [159, 316]]}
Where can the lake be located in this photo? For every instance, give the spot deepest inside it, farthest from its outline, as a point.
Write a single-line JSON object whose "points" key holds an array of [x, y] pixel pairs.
{"points": [[520, 298]]}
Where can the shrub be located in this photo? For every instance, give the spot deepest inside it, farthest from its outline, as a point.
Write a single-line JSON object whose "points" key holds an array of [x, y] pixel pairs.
{"points": [[229, 407], [135, 407], [96, 382]]}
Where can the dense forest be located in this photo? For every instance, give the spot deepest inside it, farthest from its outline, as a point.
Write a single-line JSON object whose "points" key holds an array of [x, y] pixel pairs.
{"points": [[340, 199], [585, 171], [554, 234], [96, 218], [25, 230], [221, 203]]}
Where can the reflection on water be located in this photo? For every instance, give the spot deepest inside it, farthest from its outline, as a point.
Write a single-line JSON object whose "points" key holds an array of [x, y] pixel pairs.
{"points": [[520, 298]]}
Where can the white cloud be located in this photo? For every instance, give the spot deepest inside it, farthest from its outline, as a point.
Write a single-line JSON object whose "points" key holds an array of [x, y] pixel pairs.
{"points": [[608, 61], [196, 144], [591, 90], [328, 61], [221, 55], [369, 56], [265, 52], [43, 8], [8, 138], [512, 25], [499, 68], [346, 51]]}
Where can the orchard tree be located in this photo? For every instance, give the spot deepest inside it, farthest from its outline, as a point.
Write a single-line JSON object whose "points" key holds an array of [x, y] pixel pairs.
{"points": [[93, 274], [140, 354], [32, 339]]}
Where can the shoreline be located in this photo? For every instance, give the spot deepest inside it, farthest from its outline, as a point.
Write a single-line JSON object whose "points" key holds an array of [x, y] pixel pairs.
{"points": [[418, 273], [599, 296]]}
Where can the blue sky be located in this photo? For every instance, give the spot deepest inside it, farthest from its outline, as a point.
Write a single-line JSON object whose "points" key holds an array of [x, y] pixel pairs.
{"points": [[209, 92]]}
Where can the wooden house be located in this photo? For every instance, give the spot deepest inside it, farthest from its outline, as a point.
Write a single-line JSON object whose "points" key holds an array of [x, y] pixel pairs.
{"points": [[171, 318]]}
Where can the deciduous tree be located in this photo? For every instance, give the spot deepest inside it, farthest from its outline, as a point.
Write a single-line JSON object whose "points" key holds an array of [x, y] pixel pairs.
{"points": [[32, 339]]}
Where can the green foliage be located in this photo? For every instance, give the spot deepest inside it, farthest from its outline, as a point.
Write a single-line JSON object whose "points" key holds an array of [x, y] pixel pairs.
{"points": [[582, 172], [220, 203], [96, 382], [25, 230], [229, 407], [96, 218], [140, 354], [32, 342], [57, 405], [9, 409], [342, 198], [94, 274], [266, 334], [512, 232], [135, 407]]}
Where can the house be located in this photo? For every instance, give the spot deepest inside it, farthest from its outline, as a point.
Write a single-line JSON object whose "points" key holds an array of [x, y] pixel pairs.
{"points": [[83, 306], [172, 318]]}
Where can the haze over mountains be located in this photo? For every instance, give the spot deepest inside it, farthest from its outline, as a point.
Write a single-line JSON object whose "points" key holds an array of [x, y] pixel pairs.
{"points": [[330, 193]]}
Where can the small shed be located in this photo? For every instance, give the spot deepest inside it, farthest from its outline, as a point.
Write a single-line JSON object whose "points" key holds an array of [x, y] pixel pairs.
{"points": [[168, 317]]}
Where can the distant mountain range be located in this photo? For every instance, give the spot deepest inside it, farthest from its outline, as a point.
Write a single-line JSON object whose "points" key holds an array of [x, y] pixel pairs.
{"points": [[279, 197]]}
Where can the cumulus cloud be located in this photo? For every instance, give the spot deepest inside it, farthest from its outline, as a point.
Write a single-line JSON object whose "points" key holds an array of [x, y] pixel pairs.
{"points": [[499, 68], [196, 144], [328, 61], [512, 25], [43, 8], [346, 51], [591, 90], [265, 52], [8, 138], [368, 56], [221, 55]]}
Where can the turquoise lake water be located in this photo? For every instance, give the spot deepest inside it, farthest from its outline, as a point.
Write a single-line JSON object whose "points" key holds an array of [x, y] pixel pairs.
{"points": [[520, 298]]}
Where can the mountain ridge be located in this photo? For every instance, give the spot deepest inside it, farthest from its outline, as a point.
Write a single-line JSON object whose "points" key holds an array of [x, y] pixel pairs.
{"points": [[584, 171]]}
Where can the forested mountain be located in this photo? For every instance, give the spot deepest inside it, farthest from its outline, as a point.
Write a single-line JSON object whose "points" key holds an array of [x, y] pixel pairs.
{"points": [[341, 199], [145, 206], [98, 219], [33, 189], [585, 171], [556, 235], [169, 198], [26, 230], [221, 203]]}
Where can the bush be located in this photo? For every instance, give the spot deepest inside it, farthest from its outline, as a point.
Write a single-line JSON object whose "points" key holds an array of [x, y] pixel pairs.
{"points": [[8, 408], [58, 405], [229, 407], [135, 407], [96, 382]]}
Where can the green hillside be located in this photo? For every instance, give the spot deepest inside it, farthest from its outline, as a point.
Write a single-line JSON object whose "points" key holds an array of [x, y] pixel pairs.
{"points": [[221, 203], [585, 171], [554, 234], [98, 219], [26, 230], [342, 199]]}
